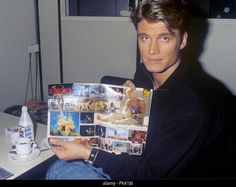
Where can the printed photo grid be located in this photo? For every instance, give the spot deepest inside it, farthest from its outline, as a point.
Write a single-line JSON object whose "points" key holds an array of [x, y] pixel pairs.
{"points": [[109, 117]]}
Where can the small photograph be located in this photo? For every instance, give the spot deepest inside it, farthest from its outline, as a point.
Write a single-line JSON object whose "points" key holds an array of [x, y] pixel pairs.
{"points": [[114, 106], [135, 148], [100, 131], [119, 93], [87, 117], [137, 136], [94, 142], [87, 130], [120, 147], [71, 104], [90, 142], [81, 90], [106, 144], [115, 93], [100, 106], [91, 105], [87, 105], [98, 92], [64, 123], [59, 89], [117, 133], [147, 93], [56, 102]]}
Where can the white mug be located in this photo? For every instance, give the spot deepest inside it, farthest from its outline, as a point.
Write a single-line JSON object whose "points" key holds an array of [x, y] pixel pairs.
{"points": [[23, 147]]}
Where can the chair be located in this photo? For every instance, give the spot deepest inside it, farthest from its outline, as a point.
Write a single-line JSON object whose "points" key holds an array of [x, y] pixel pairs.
{"points": [[38, 110], [107, 79]]}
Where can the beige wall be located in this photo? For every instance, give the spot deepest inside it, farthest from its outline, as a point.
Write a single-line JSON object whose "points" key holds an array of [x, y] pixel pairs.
{"points": [[90, 50], [17, 32]]}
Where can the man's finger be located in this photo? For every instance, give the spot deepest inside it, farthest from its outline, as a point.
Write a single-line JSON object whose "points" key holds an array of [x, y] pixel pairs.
{"points": [[130, 84], [56, 143]]}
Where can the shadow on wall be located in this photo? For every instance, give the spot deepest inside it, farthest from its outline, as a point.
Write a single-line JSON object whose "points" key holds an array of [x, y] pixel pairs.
{"points": [[197, 34]]}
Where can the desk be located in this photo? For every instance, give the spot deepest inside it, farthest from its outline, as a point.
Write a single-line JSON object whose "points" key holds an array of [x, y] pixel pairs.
{"points": [[21, 168]]}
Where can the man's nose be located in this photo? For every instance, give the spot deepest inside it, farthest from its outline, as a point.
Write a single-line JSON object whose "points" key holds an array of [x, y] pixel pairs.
{"points": [[154, 48]]}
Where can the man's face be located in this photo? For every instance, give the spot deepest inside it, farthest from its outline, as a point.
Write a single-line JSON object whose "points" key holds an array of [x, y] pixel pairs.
{"points": [[130, 94], [159, 48]]}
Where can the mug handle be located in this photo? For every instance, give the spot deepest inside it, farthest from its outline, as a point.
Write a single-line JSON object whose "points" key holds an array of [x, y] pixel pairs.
{"points": [[33, 145]]}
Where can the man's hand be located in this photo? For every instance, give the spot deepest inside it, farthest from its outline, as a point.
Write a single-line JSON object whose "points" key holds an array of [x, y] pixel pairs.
{"points": [[69, 150], [130, 84]]}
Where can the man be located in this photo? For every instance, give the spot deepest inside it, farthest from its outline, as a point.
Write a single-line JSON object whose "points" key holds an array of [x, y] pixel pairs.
{"points": [[185, 134]]}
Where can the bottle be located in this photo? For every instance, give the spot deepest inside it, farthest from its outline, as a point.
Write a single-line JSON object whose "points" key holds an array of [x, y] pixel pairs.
{"points": [[25, 125]]}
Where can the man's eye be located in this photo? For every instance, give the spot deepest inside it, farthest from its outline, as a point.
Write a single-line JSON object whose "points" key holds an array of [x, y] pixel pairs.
{"points": [[145, 38], [165, 38]]}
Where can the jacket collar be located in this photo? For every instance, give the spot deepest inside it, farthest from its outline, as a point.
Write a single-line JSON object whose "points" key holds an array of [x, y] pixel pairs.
{"points": [[178, 75]]}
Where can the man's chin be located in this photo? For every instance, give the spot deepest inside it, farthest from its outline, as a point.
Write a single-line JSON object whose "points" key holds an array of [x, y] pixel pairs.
{"points": [[154, 68]]}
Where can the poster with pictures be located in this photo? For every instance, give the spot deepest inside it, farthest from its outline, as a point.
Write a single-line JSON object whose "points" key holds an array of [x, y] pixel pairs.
{"points": [[109, 117]]}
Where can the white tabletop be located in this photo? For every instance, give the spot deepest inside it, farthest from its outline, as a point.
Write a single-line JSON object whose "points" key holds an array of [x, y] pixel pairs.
{"points": [[13, 166]]}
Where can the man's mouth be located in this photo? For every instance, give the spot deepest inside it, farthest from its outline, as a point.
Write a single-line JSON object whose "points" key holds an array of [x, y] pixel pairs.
{"points": [[154, 61]]}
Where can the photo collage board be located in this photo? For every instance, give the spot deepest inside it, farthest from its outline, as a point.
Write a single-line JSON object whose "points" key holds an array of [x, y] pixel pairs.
{"points": [[110, 117]]}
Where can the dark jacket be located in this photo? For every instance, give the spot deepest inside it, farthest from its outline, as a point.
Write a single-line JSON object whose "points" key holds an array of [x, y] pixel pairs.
{"points": [[186, 133]]}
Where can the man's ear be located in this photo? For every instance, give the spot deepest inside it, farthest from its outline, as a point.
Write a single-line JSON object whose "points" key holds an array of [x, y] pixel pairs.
{"points": [[184, 40]]}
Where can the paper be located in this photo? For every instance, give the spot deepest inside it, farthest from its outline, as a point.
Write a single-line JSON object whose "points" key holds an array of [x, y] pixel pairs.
{"points": [[5, 173], [113, 118]]}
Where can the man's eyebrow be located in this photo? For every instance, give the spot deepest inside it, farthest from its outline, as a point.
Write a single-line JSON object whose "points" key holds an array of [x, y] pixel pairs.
{"points": [[160, 35], [167, 34], [142, 33]]}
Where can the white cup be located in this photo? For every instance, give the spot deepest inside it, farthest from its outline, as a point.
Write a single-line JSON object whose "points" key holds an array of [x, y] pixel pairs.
{"points": [[23, 147]]}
